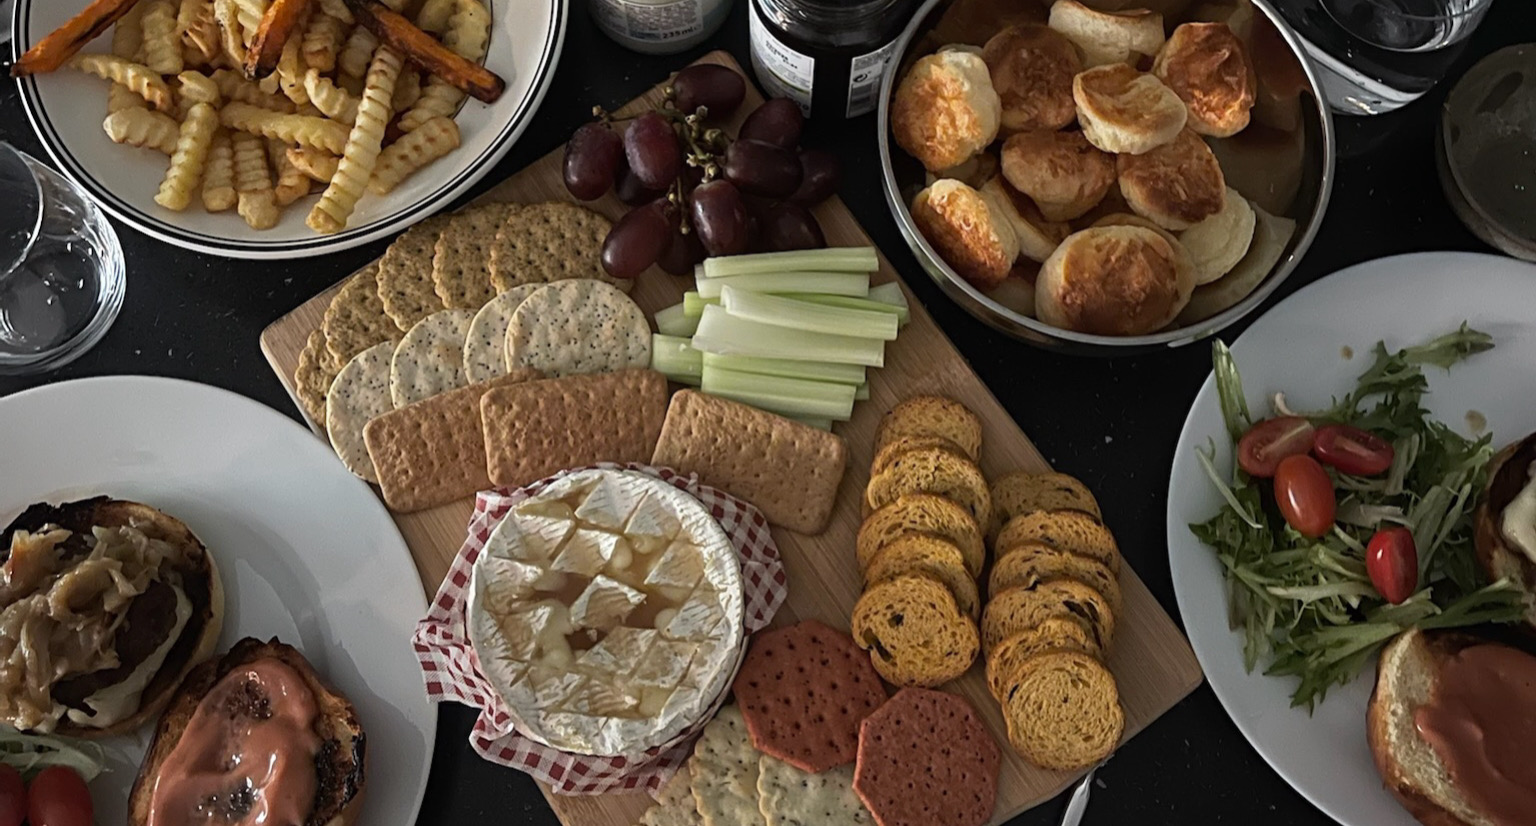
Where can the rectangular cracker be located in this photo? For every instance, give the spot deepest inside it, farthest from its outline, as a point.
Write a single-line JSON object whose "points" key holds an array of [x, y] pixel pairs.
{"points": [[790, 471], [535, 429], [433, 452]]}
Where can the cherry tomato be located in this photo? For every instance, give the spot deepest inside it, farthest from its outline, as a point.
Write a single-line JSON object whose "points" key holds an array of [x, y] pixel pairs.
{"points": [[58, 797], [1260, 450], [13, 797], [1352, 450], [1393, 563], [1305, 495]]}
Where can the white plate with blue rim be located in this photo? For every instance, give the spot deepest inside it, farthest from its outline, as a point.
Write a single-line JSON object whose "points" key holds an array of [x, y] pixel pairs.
{"points": [[1312, 347], [306, 552], [67, 108]]}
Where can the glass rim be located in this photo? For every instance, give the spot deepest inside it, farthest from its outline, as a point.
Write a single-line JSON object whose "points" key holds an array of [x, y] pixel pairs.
{"points": [[1473, 7]]}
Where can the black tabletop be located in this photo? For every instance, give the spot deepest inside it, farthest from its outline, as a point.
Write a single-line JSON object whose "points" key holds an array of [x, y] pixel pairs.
{"points": [[1113, 423]]}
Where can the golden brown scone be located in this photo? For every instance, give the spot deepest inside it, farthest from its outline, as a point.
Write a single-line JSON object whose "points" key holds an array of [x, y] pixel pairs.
{"points": [[1108, 36], [1220, 241], [1205, 65], [1114, 281], [1271, 235], [968, 230], [1131, 219], [1177, 185], [974, 173], [1038, 238], [1126, 111], [1061, 172], [1017, 292], [1032, 68], [945, 110]]}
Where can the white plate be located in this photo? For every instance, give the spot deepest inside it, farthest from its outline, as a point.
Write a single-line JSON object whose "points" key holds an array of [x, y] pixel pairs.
{"points": [[1298, 348], [307, 553], [67, 107]]}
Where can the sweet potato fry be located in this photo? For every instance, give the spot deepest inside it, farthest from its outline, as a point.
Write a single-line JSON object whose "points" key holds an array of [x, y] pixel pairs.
{"points": [[398, 32], [62, 43], [284, 19]]}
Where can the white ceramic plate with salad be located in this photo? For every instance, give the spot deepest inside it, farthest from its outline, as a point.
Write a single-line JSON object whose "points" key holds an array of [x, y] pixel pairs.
{"points": [[1313, 347]]}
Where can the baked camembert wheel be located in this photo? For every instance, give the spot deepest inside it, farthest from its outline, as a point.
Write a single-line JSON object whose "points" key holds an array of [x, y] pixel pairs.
{"points": [[607, 611], [104, 606]]}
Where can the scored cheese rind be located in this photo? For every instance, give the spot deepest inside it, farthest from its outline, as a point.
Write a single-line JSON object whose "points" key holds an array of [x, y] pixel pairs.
{"points": [[607, 612]]}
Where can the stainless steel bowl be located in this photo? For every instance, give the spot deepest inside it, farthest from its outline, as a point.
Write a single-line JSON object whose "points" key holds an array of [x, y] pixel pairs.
{"points": [[904, 177]]}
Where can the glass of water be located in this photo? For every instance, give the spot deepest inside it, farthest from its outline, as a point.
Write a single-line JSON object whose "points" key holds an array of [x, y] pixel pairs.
{"points": [[61, 268], [1375, 56]]}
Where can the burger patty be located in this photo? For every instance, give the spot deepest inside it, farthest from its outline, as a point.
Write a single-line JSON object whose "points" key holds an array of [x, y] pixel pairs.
{"points": [[150, 619]]}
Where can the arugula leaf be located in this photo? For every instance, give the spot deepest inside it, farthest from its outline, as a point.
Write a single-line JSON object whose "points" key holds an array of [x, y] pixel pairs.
{"points": [[1229, 390]]}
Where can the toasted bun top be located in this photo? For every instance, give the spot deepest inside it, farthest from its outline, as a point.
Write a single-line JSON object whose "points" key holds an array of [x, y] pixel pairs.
{"points": [[1206, 66], [1123, 110], [1177, 185], [945, 109], [1114, 281], [968, 230], [1032, 67], [199, 582], [1108, 36], [1057, 167]]}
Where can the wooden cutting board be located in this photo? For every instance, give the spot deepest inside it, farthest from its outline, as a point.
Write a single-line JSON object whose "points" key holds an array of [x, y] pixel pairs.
{"points": [[1151, 660]]}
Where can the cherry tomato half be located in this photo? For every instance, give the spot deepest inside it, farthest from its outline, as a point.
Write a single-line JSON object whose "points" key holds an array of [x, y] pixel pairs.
{"points": [[13, 797], [1352, 450], [1305, 495], [58, 797], [1392, 560], [1260, 450]]}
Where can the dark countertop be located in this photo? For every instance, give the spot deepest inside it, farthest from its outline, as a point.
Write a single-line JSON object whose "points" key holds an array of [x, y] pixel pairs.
{"points": [[1112, 423]]}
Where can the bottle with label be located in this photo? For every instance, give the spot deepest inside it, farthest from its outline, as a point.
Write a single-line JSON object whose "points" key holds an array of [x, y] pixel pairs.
{"points": [[828, 56], [659, 26]]}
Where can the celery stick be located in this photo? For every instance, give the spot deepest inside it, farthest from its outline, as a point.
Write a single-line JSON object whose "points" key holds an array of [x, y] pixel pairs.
{"points": [[850, 302], [861, 393], [889, 293], [802, 315], [675, 358], [833, 259], [787, 397], [819, 424], [721, 334], [788, 368], [832, 283], [693, 303], [675, 321]]}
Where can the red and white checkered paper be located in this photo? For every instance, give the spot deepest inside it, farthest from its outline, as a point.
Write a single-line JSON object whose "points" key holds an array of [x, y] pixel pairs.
{"points": [[452, 673]]}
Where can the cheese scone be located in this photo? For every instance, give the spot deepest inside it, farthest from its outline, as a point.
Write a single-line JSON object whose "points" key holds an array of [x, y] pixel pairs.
{"points": [[1032, 67], [1062, 172], [1126, 111], [1114, 281], [968, 230], [945, 111], [1108, 36], [1177, 185], [1206, 66]]}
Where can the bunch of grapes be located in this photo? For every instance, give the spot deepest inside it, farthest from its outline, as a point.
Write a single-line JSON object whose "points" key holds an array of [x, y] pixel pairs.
{"points": [[696, 191]]}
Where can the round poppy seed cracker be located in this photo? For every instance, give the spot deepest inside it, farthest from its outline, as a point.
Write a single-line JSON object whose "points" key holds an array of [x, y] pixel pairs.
{"points": [[926, 758], [359, 394], [430, 359], [804, 690], [573, 327], [356, 319], [463, 250], [791, 797], [312, 378], [405, 274], [485, 347], [548, 242]]}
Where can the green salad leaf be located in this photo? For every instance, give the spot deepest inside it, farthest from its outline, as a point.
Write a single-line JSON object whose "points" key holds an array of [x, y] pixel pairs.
{"points": [[1306, 607]]}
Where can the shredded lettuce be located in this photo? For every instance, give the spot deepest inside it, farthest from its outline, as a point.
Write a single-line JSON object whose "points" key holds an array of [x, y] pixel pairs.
{"points": [[31, 753], [1306, 607]]}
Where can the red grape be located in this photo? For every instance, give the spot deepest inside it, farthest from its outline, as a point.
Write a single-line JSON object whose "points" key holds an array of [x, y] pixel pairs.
{"points": [[709, 85], [791, 227], [777, 121], [633, 193], [760, 168], [685, 251], [592, 157], [652, 150], [821, 172], [638, 239], [720, 218]]}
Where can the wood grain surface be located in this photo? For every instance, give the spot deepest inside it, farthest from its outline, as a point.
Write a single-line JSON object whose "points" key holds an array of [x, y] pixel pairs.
{"points": [[1151, 660]]}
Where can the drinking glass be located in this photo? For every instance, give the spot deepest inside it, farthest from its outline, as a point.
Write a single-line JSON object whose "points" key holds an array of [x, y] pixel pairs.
{"points": [[61, 268], [1375, 56]]}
